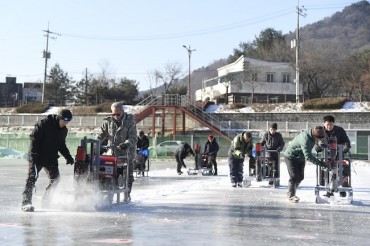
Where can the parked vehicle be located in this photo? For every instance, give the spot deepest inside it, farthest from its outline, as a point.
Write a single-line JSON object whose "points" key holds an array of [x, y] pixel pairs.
{"points": [[168, 147]]}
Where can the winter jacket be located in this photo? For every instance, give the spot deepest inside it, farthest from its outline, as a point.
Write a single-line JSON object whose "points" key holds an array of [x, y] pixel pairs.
{"points": [[273, 141], [142, 143], [118, 132], [300, 148], [183, 151], [239, 148], [47, 139], [340, 134], [211, 148]]}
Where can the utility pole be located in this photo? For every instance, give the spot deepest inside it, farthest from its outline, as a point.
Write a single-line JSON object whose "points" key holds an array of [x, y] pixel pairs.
{"points": [[189, 53], [46, 55], [86, 83], [300, 12]]}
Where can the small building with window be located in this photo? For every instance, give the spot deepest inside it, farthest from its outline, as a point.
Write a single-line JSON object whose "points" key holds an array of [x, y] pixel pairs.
{"points": [[249, 80]]}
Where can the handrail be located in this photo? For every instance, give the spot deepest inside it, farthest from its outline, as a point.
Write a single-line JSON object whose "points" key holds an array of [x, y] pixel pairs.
{"points": [[183, 101]]}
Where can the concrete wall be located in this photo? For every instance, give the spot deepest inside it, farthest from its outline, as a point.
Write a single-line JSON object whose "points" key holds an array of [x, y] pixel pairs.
{"points": [[340, 117]]}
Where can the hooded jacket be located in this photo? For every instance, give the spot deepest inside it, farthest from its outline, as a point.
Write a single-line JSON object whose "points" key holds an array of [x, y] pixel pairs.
{"points": [[300, 148], [239, 148], [183, 151], [273, 141], [211, 147], [118, 132], [46, 140]]}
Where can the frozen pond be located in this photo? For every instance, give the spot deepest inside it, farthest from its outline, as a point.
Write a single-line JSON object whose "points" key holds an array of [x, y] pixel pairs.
{"points": [[167, 209]]}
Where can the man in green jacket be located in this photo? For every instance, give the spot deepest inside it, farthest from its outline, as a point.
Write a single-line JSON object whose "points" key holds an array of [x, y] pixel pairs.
{"points": [[240, 147], [299, 150]]}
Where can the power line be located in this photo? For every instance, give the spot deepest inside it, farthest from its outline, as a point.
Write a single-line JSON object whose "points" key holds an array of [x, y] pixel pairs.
{"points": [[209, 30]]}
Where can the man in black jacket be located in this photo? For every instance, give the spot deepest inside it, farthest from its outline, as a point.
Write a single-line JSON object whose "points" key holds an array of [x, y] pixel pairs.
{"points": [[181, 154], [142, 144], [47, 139], [332, 130], [273, 140], [210, 149]]}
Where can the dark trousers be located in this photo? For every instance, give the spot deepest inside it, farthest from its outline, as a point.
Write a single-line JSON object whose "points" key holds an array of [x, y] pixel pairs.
{"points": [[212, 161], [180, 162], [296, 174], [52, 171], [275, 165], [236, 169]]}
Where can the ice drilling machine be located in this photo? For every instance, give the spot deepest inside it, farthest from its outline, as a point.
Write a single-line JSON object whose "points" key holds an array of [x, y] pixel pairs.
{"points": [[335, 181], [103, 175], [266, 168]]}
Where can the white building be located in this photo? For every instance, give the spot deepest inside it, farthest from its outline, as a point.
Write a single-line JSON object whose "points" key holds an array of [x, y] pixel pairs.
{"points": [[250, 80]]}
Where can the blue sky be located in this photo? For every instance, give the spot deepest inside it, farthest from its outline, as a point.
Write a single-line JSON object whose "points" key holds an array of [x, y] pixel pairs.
{"points": [[133, 38]]}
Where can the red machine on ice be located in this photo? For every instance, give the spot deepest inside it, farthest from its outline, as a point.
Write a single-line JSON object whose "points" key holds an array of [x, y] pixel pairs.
{"points": [[101, 174]]}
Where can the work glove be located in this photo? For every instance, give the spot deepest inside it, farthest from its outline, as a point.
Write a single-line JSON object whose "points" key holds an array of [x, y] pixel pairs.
{"points": [[345, 149], [325, 165], [70, 160], [123, 146], [318, 148]]}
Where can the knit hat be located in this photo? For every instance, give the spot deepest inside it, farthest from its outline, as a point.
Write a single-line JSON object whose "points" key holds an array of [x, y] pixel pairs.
{"points": [[273, 126], [65, 114], [318, 132]]}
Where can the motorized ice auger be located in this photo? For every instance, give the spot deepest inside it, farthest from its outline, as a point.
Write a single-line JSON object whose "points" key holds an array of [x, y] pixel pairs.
{"points": [[203, 163], [103, 175], [266, 169], [335, 180]]}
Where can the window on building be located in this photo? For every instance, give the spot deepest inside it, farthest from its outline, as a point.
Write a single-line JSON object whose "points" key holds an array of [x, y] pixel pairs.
{"points": [[286, 78], [244, 99], [269, 77]]}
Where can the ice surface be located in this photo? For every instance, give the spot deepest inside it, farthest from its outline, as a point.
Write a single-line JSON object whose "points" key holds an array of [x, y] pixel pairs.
{"points": [[167, 209]]}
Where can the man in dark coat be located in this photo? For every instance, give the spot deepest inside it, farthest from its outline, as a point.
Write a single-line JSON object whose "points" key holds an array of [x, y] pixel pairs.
{"points": [[142, 144], [210, 149], [273, 140], [142, 141], [47, 139], [180, 154], [332, 130], [240, 147]]}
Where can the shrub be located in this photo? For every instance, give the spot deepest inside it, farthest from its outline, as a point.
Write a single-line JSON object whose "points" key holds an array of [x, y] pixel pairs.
{"points": [[237, 105], [103, 107], [32, 108], [325, 103]]}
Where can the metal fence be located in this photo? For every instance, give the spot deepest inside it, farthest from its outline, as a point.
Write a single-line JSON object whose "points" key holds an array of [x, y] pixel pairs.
{"points": [[11, 136]]}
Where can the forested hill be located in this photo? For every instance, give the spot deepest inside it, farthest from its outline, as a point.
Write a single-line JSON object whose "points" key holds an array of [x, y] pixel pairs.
{"points": [[345, 32], [349, 29]]}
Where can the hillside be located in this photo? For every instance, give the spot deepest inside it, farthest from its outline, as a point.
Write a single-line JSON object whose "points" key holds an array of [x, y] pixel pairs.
{"points": [[348, 30], [343, 33]]}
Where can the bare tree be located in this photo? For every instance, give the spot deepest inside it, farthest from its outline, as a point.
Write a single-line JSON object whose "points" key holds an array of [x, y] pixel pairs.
{"points": [[172, 72], [249, 79]]}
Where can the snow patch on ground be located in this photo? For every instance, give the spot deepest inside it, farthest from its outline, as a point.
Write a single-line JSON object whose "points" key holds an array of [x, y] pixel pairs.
{"points": [[288, 108]]}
